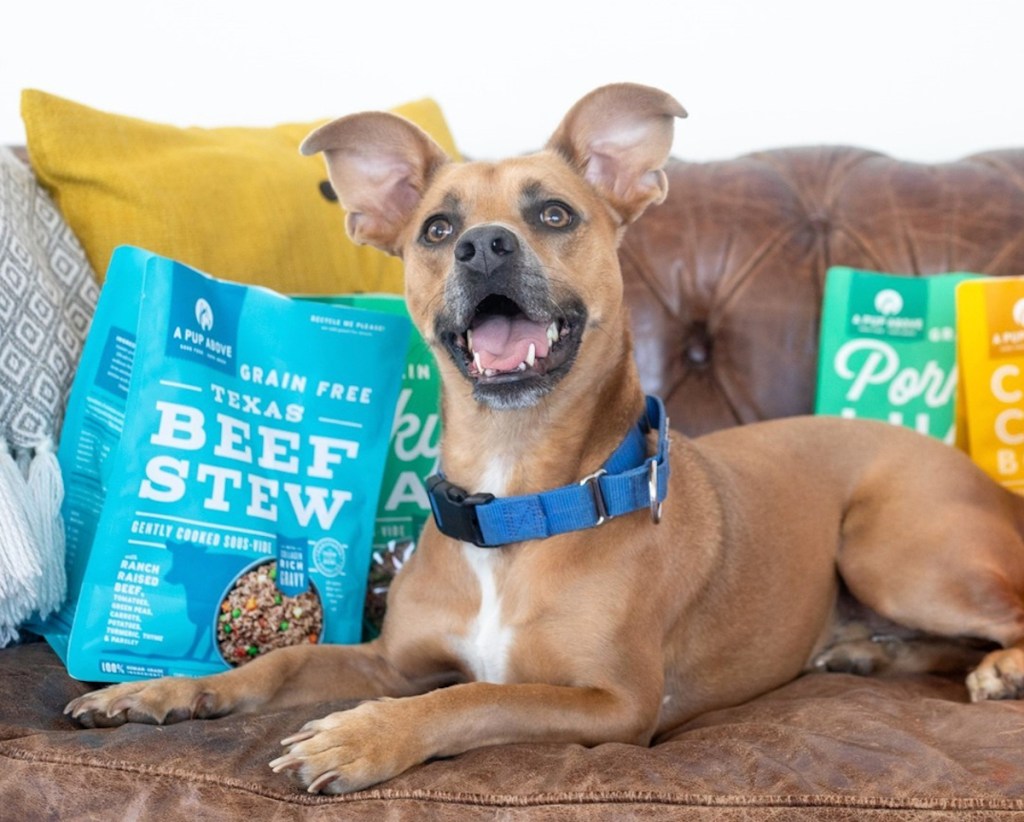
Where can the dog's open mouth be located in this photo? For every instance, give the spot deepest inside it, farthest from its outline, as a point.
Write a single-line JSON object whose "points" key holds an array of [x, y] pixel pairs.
{"points": [[503, 342], [504, 346]]}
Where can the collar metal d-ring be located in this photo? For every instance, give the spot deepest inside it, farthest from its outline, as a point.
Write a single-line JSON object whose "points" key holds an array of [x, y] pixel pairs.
{"points": [[652, 490]]}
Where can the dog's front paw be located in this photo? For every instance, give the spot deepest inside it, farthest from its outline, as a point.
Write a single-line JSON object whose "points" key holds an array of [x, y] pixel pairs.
{"points": [[999, 676], [350, 750], [154, 702]]}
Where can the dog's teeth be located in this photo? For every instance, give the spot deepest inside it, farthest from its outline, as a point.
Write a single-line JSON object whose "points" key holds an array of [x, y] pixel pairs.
{"points": [[531, 355], [553, 332], [469, 339], [489, 372], [521, 367], [476, 362]]}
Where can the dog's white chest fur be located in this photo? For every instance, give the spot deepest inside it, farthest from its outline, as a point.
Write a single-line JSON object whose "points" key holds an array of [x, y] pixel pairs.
{"points": [[486, 645]]}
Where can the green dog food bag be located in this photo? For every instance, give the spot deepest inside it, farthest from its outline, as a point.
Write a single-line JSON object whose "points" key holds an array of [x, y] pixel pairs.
{"points": [[413, 454], [888, 349]]}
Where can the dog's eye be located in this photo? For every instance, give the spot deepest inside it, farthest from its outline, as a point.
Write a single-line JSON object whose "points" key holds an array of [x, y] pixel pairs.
{"points": [[437, 230], [556, 215]]}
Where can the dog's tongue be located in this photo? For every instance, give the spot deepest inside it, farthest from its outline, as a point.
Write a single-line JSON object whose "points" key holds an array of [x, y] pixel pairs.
{"points": [[504, 342]]}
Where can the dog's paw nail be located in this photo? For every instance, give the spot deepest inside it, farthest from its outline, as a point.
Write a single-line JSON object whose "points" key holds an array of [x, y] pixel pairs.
{"points": [[77, 706], [301, 736], [322, 781], [283, 763], [119, 705]]}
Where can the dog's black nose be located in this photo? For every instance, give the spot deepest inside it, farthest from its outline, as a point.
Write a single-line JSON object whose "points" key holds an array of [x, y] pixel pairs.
{"points": [[484, 248]]}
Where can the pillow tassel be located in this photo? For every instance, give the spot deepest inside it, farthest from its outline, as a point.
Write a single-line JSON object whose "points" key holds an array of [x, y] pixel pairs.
{"points": [[45, 495], [20, 569]]}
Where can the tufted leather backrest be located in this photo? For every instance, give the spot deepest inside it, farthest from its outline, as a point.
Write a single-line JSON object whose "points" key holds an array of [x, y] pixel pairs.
{"points": [[724, 279]]}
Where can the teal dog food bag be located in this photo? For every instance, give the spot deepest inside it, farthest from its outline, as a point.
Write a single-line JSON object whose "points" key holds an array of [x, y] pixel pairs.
{"points": [[888, 349], [223, 455]]}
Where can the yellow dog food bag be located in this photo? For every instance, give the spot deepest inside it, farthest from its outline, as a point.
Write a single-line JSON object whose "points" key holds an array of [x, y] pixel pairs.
{"points": [[990, 335]]}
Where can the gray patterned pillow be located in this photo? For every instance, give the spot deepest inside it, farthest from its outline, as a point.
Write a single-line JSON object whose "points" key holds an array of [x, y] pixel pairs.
{"points": [[47, 296]]}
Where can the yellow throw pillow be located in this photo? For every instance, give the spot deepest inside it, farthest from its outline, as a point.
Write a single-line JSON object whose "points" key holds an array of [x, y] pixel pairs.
{"points": [[238, 203]]}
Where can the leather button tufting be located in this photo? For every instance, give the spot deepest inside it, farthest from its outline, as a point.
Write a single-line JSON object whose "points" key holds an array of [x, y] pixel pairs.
{"points": [[820, 222], [697, 348]]}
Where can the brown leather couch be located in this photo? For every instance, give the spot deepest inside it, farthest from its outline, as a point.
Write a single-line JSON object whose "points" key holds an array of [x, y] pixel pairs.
{"points": [[725, 282]]}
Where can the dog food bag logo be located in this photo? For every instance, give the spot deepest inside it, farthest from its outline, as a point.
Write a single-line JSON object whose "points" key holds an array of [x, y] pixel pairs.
{"points": [[204, 314], [888, 349], [990, 316], [235, 511], [204, 323], [892, 307]]}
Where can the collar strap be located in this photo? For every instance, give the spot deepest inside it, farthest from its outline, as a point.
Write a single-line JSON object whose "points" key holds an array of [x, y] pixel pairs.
{"points": [[627, 482]]}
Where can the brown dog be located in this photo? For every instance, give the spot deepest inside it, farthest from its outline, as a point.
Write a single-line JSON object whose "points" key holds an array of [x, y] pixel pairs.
{"points": [[622, 631]]}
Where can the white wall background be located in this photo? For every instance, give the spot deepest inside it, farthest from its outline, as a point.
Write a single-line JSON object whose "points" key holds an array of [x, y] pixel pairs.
{"points": [[926, 80]]}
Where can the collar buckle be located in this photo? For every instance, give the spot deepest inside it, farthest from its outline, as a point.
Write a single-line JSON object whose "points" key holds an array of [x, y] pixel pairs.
{"points": [[591, 480], [455, 510]]}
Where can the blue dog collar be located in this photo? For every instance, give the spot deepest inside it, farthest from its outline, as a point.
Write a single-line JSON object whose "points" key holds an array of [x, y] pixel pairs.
{"points": [[627, 482]]}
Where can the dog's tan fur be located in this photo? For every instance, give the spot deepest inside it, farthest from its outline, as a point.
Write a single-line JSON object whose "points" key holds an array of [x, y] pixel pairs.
{"points": [[627, 630]]}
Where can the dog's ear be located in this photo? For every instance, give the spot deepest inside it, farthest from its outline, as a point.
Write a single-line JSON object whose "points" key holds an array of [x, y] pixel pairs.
{"points": [[380, 165], [618, 137]]}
